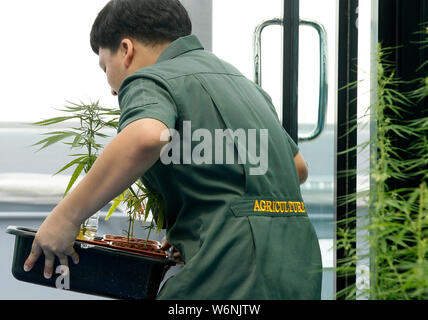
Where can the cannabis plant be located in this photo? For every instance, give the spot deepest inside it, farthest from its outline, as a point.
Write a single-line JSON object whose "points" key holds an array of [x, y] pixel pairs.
{"points": [[92, 118], [397, 222], [138, 205], [83, 138]]}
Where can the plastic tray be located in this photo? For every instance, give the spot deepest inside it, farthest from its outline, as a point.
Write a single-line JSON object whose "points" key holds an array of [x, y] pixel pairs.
{"points": [[102, 270]]}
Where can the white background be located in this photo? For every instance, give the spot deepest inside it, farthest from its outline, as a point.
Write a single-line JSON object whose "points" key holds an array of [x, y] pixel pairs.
{"points": [[46, 59]]}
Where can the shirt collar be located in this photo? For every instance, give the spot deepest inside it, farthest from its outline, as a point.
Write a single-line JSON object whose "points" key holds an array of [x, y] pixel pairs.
{"points": [[179, 47]]}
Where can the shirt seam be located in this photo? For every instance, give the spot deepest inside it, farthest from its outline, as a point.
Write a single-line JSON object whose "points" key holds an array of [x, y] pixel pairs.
{"points": [[199, 73], [165, 81]]}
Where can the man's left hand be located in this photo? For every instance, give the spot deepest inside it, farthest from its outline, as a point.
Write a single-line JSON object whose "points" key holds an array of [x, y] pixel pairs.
{"points": [[55, 238]]}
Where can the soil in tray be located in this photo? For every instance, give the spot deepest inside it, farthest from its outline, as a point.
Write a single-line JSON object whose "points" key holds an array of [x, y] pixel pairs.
{"points": [[151, 248], [135, 245], [109, 237]]}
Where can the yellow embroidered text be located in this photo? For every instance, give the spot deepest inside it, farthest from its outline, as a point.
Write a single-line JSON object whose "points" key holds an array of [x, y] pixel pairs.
{"points": [[279, 206]]}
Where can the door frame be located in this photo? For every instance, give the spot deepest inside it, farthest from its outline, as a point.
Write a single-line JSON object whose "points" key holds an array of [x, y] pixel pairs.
{"points": [[346, 133], [345, 139], [290, 68]]}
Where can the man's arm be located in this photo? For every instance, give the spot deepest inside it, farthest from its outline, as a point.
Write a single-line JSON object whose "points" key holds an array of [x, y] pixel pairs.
{"points": [[126, 158], [302, 168]]}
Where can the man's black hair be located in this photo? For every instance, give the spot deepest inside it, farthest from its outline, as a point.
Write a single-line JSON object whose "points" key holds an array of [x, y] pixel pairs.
{"points": [[150, 21]]}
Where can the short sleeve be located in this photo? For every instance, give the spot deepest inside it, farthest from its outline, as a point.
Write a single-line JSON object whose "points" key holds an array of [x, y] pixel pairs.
{"points": [[146, 98], [293, 145]]}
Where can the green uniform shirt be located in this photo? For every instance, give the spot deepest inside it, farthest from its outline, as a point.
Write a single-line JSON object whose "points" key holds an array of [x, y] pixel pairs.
{"points": [[237, 218]]}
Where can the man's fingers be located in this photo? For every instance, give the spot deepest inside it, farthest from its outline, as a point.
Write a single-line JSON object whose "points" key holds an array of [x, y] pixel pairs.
{"points": [[74, 256], [35, 253], [63, 260], [165, 244], [49, 264]]}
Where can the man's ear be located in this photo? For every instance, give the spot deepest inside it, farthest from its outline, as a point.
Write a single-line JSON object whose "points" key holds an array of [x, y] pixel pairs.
{"points": [[128, 51]]}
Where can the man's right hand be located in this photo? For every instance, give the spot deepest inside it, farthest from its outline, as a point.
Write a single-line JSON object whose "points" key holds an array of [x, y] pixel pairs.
{"points": [[173, 253]]}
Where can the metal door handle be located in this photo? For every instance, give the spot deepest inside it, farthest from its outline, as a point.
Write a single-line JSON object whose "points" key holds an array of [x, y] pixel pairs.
{"points": [[323, 91]]}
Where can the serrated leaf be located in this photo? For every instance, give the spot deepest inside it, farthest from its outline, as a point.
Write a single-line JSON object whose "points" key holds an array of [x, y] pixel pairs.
{"points": [[74, 177], [115, 204], [78, 154], [149, 205], [76, 141], [75, 161], [51, 121], [54, 139], [102, 135], [60, 132], [160, 220]]}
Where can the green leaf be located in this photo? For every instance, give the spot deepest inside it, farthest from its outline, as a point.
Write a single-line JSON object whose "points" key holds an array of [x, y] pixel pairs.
{"points": [[149, 205], [74, 177], [78, 154], [75, 161], [161, 215], [51, 121], [102, 135], [159, 223], [54, 139], [115, 204], [76, 141]]}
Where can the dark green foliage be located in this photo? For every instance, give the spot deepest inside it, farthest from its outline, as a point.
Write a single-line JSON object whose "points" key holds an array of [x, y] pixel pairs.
{"points": [[397, 222]]}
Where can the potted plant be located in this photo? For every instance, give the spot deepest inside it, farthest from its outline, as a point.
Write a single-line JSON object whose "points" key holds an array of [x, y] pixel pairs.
{"points": [[139, 203], [91, 118], [104, 269], [112, 266]]}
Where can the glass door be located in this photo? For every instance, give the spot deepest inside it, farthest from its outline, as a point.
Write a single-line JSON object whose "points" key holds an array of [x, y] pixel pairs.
{"points": [[250, 34], [316, 122], [233, 27]]}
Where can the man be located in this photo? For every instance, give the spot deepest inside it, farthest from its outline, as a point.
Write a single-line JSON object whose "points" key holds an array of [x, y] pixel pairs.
{"points": [[229, 177]]}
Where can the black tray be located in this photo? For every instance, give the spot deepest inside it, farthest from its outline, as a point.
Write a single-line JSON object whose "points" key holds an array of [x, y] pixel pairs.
{"points": [[101, 270]]}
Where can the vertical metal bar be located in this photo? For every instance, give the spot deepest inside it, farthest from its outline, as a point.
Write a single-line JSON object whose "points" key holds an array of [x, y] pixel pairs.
{"points": [[373, 128], [291, 68], [257, 47], [323, 83], [323, 90], [346, 138]]}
